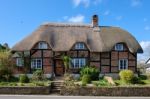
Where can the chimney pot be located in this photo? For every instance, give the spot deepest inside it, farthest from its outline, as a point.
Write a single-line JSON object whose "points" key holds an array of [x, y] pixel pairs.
{"points": [[95, 20]]}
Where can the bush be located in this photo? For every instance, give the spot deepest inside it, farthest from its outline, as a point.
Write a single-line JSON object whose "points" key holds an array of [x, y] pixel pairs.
{"points": [[86, 79], [126, 76], [92, 71], [5, 74], [68, 77], [23, 78], [142, 77], [38, 75]]}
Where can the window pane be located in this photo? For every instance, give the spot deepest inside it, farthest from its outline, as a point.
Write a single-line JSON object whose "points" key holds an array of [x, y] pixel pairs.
{"points": [[19, 62], [119, 47], [43, 45], [123, 64], [80, 46]]}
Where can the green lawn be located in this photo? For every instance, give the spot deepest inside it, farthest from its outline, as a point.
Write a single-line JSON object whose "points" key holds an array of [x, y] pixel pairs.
{"points": [[36, 83]]}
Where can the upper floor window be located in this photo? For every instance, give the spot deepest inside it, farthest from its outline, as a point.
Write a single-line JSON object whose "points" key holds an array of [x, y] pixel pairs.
{"points": [[36, 63], [80, 46], [78, 62], [19, 62], [119, 47], [43, 45], [123, 64]]}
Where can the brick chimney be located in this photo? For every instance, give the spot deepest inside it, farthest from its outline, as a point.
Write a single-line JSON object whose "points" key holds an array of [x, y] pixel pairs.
{"points": [[95, 20]]}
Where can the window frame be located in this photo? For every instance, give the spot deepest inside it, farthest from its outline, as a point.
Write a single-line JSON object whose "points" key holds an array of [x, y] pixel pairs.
{"points": [[124, 64], [78, 62], [80, 46], [42, 45], [35, 65], [19, 62], [121, 48]]}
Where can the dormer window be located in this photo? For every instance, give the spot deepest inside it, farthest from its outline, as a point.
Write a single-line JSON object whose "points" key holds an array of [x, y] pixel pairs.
{"points": [[119, 47], [80, 46], [43, 45]]}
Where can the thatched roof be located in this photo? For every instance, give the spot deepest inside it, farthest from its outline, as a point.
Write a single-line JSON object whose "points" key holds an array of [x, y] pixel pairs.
{"points": [[61, 37]]}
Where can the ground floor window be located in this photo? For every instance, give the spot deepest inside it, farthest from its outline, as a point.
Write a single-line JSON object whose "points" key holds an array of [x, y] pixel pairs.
{"points": [[36, 63], [78, 62], [19, 62], [123, 64]]}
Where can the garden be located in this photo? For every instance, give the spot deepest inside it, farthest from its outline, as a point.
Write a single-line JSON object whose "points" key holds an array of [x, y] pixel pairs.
{"points": [[89, 76], [7, 78]]}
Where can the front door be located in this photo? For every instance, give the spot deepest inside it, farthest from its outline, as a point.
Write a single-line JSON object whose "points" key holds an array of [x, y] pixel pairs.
{"points": [[59, 67]]}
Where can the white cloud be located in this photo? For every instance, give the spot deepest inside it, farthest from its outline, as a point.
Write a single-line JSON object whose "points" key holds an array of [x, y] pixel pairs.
{"points": [[76, 19], [135, 3], [147, 28], [119, 18], [107, 12], [85, 3], [146, 48]]}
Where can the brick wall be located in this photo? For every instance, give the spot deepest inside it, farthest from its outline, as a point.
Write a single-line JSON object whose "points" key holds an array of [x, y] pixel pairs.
{"points": [[106, 91], [26, 90]]}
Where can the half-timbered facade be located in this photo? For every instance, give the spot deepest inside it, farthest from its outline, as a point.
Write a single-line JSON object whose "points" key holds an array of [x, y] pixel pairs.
{"points": [[110, 49]]}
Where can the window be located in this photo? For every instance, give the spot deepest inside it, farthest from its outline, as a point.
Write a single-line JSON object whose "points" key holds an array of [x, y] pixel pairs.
{"points": [[43, 45], [119, 47], [123, 64], [79, 46], [78, 62], [19, 62], [36, 63]]}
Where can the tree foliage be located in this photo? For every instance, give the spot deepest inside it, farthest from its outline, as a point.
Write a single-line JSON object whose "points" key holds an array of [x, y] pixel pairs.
{"points": [[66, 61]]}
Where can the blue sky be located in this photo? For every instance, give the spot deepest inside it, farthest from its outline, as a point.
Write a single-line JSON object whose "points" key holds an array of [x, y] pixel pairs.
{"points": [[18, 18]]}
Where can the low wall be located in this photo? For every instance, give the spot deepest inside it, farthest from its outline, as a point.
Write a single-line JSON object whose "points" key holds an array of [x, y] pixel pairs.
{"points": [[106, 91], [25, 90]]}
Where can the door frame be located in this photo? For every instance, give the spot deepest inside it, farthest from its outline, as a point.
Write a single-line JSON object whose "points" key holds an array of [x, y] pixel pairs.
{"points": [[55, 60]]}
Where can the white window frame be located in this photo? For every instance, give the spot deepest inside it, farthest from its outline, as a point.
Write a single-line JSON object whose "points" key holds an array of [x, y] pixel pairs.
{"points": [[78, 62], [119, 47], [35, 63], [42, 45], [79, 46], [124, 64], [19, 62]]}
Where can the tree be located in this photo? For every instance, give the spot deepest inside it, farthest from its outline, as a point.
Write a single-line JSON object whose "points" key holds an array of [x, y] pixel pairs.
{"points": [[6, 64], [66, 60]]}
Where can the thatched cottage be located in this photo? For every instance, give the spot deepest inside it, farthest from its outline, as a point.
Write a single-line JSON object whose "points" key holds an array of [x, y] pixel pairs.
{"points": [[108, 48]]}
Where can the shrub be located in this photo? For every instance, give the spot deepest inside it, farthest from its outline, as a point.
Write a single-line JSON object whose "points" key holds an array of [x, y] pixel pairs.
{"points": [[86, 79], [5, 74], [23, 78], [38, 75], [68, 77], [143, 77], [126, 76], [92, 71]]}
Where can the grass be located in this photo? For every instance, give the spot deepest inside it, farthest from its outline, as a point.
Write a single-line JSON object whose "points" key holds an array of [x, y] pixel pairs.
{"points": [[36, 83]]}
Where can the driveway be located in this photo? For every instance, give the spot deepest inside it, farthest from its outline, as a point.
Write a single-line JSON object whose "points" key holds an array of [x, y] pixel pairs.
{"points": [[63, 97]]}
